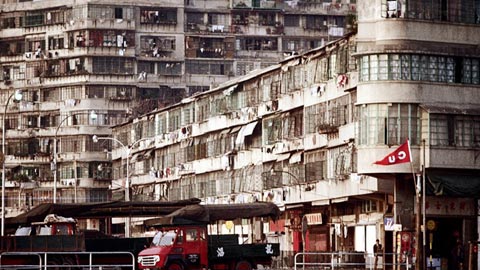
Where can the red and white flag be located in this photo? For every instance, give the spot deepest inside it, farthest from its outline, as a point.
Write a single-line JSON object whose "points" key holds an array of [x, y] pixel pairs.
{"points": [[400, 155]]}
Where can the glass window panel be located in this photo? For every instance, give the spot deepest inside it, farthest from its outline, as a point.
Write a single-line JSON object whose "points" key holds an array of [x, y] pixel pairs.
{"points": [[405, 66], [438, 130], [424, 68], [475, 71], [373, 67], [415, 64], [394, 67], [467, 71], [383, 67], [433, 68], [450, 69]]}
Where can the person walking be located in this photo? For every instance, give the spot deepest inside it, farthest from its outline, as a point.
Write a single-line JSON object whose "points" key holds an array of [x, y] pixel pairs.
{"points": [[377, 251]]}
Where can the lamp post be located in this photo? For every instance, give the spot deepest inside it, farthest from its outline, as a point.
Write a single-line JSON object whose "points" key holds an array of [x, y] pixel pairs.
{"points": [[93, 116], [18, 96], [127, 151], [55, 158]]}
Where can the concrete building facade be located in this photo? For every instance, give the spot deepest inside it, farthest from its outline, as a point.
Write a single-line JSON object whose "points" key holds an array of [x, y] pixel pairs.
{"points": [[305, 134], [85, 66]]}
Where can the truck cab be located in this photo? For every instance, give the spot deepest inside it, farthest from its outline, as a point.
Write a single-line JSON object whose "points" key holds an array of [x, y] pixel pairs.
{"points": [[176, 248], [52, 225]]}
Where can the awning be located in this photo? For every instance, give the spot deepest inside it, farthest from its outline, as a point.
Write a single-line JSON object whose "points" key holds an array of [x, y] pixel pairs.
{"points": [[339, 200], [292, 206], [245, 131], [225, 131], [248, 129], [230, 90], [296, 157], [134, 157], [148, 154], [235, 129], [451, 109], [453, 183], [321, 202], [283, 157]]}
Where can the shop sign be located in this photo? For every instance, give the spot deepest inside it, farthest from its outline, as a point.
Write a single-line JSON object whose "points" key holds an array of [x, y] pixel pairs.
{"points": [[388, 223], [314, 219], [449, 206]]}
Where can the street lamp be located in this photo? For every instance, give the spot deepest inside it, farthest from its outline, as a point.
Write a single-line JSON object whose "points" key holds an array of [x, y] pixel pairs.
{"points": [[127, 151], [17, 97], [93, 116]]}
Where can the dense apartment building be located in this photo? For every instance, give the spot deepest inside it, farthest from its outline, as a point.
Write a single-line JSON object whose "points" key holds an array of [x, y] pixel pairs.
{"points": [[305, 134], [84, 66]]}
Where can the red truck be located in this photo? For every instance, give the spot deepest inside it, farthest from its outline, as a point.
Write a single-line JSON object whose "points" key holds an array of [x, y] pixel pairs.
{"points": [[56, 241], [182, 241]]}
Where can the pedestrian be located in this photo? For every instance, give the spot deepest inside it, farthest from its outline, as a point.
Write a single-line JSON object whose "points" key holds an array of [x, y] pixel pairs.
{"points": [[377, 251], [457, 255]]}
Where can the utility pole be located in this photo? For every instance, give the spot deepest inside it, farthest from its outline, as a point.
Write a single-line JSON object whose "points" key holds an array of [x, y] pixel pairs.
{"points": [[418, 206]]}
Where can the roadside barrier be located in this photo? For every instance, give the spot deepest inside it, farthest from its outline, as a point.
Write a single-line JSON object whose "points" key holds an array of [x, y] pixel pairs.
{"points": [[350, 261], [67, 260]]}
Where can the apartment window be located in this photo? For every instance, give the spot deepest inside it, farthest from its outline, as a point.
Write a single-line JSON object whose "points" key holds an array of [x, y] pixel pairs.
{"points": [[200, 148], [192, 89], [103, 146], [208, 67], [12, 47], [257, 44], [244, 67], [217, 19], [188, 114], [170, 68], [342, 162], [161, 124], [454, 130], [70, 144], [97, 195], [316, 22], [444, 10], [369, 206], [315, 166], [195, 18], [55, 16], [118, 13], [382, 124], [293, 124], [272, 130], [22, 149], [144, 66], [158, 16], [266, 18], [174, 120], [240, 18], [55, 42], [34, 18], [34, 70], [71, 92], [11, 22], [157, 46], [109, 91], [110, 38], [202, 110], [471, 71], [113, 65], [430, 68], [103, 12], [292, 20]]}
